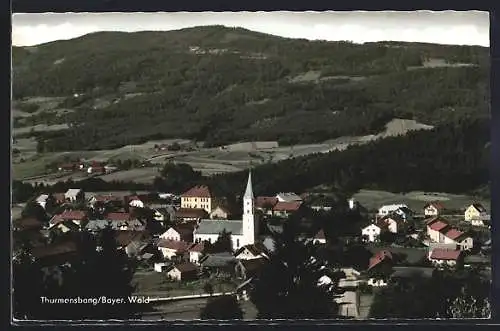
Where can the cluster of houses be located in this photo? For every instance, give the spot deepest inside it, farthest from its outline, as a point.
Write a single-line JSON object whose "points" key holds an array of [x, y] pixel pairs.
{"points": [[90, 167], [183, 226], [445, 243], [177, 235]]}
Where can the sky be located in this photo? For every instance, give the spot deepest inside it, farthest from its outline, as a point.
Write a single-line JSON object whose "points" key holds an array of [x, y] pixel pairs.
{"points": [[445, 27]]}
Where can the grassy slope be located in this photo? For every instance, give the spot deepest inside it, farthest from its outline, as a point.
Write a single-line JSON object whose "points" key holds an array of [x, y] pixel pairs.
{"points": [[149, 85]]}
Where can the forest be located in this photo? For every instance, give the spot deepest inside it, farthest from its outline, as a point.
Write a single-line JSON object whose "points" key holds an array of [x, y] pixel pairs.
{"points": [[220, 85]]}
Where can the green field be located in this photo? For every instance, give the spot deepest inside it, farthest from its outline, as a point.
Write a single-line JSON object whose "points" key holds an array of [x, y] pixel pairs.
{"points": [[416, 201]]}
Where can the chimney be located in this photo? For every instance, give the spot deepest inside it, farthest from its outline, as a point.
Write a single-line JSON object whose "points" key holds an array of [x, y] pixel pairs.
{"points": [[352, 204]]}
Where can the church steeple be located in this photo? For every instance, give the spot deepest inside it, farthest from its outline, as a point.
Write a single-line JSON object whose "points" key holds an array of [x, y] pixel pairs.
{"points": [[249, 190]]}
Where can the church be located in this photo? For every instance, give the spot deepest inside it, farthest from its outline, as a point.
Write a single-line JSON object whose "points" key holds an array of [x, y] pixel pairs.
{"points": [[243, 232]]}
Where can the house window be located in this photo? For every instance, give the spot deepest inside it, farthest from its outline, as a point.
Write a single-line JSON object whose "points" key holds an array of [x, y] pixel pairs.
{"points": [[237, 243]]}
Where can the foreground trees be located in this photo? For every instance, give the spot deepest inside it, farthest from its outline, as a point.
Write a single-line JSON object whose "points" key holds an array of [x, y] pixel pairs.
{"points": [[295, 283], [101, 271]]}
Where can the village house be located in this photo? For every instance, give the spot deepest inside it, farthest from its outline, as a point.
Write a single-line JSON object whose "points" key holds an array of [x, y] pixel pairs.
{"points": [[388, 209], [475, 211], [285, 209], [372, 232], [265, 204], [136, 201], [433, 209], [132, 242], [440, 231], [74, 195], [103, 199], [162, 266], [435, 227], [222, 210], [198, 197], [219, 264], [173, 248], [190, 214], [379, 268], [163, 214], [42, 200], [96, 170], [445, 257], [69, 220], [196, 252], [288, 197], [245, 269], [180, 232], [394, 222], [243, 232], [182, 272], [250, 252]]}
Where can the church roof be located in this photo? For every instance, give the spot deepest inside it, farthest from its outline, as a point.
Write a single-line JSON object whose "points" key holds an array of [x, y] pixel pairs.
{"points": [[208, 226]]}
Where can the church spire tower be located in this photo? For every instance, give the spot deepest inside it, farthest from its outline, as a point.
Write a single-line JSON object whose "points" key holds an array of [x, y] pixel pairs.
{"points": [[249, 222]]}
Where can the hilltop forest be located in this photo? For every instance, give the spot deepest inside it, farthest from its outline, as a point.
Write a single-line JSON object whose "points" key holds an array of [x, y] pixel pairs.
{"points": [[220, 85]]}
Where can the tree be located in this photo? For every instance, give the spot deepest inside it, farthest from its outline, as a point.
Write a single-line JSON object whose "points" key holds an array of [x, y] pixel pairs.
{"points": [[222, 308], [467, 306], [223, 244], [33, 209], [295, 283]]}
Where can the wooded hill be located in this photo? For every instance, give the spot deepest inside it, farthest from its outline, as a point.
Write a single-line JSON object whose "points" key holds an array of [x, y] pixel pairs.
{"points": [[221, 85]]}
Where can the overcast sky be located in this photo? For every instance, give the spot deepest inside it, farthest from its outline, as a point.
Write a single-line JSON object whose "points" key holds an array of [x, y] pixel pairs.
{"points": [[446, 27]]}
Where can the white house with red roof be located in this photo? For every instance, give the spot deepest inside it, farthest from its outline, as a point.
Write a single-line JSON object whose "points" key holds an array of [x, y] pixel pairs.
{"points": [[171, 248], [435, 227], [198, 197], [433, 209], [265, 204], [285, 209], [68, 220], [448, 257], [439, 231]]}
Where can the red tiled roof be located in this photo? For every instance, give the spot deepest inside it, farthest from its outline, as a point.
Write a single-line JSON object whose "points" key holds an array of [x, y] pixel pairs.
{"points": [[287, 206], [444, 254], [191, 213], [69, 215], [200, 191], [438, 226], [198, 248], [180, 246], [453, 234], [186, 267], [262, 202], [379, 257], [118, 216]]}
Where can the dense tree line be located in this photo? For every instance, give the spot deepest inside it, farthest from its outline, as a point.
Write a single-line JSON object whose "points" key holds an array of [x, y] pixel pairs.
{"points": [[145, 86], [450, 158]]}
